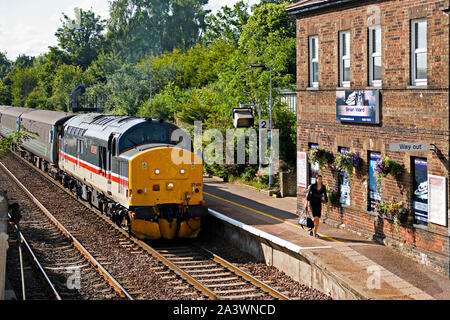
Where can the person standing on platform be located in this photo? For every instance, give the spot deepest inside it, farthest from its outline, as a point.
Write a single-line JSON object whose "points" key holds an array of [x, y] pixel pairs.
{"points": [[316, 196]]}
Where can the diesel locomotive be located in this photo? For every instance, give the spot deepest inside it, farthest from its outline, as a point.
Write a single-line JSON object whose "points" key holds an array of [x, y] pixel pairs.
{"points": [[140, 172]]}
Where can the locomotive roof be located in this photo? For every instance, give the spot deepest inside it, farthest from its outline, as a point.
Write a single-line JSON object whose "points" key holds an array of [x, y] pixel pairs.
{"points": [[100, 126], [16, 111], [48, 116], [4, 108]]}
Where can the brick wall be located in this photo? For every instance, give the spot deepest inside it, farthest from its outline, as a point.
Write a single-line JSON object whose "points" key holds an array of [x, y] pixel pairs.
{"points": [[408, 114]]}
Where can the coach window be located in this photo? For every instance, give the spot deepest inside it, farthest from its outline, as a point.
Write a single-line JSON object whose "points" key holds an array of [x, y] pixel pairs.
{"points": [[375, 56], [419, 52], [314, 61], [344, 58]]}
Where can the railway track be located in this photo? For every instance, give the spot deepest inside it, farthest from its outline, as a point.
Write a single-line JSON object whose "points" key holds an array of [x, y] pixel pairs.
{"points": [[56, 257], [220, 277], [192, 272]]}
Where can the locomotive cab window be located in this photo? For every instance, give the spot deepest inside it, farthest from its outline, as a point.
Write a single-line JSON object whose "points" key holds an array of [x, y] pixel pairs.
{"points": [[148, 133]]}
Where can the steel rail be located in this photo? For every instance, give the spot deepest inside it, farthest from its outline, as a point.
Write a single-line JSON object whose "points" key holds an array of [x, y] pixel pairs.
{"points": [[113, 282], [197, 284], [37, 263], [256, 282]]}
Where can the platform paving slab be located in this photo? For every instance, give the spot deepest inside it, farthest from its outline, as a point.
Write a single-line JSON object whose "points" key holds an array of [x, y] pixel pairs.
{"points": [[343, 254]]}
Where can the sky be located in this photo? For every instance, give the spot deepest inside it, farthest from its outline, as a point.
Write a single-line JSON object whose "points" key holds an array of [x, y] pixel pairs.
{"points": [[29, 26]]}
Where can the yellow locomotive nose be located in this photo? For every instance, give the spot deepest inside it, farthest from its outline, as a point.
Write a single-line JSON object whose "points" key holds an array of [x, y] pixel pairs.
{"points": [[170, 199]]}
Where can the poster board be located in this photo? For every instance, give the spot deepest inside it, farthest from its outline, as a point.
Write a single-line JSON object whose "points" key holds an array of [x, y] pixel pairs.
{"points": [[302, 169], [437, 200], [358, 106]]}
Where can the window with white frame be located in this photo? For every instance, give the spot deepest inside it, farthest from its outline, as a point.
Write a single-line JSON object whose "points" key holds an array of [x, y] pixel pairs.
{"points": [[375, 56], [344, 58], [314, 61], [419, 52]]}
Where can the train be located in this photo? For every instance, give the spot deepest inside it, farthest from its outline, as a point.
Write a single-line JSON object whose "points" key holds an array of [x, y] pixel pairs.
{"points": [[140, 172]]}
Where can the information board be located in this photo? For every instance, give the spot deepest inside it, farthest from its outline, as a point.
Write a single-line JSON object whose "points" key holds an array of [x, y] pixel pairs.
{"points": [[437, 200], [358, 106], [302, 169]]}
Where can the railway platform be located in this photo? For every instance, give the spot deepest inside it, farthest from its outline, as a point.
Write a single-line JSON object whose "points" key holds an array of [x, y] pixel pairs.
{"points": [[339, 263]]}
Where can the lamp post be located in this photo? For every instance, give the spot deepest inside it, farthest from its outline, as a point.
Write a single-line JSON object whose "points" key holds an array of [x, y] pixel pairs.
{"points": [[265, 67], [242, 105]]}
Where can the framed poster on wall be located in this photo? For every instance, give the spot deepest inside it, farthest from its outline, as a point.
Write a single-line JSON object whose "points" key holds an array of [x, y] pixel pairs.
{"points": [[344, 182], [374, 193], [420, 196], [313, 167], [358, 106], [302, 169], [437, 200]]}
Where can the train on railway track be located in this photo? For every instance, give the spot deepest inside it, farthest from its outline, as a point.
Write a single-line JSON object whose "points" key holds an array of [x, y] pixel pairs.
{"points": [[140, 172]]}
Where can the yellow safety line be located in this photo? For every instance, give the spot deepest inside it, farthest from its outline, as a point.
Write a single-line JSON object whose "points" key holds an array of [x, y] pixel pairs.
{"points": [[268, 215]]}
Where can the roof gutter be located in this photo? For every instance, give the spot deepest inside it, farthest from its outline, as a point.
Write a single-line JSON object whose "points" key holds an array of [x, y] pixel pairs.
{"points": [[315, 6]]}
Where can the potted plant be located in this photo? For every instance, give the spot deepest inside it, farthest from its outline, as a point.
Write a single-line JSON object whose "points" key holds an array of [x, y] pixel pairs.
{"points": [[392, 210], [349, 161], [321, 156], [386, 166]]}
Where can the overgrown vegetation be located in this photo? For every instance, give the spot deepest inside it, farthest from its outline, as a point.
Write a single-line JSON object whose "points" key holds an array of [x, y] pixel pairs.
{"points": [[168, 59]]}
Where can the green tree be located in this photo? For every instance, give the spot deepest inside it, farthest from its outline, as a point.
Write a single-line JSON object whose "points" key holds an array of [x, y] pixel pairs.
{"points": [[24, 80], [126, 89], [23, 61], [5, 65], [138, 28], [67, 78], [185, 23], [227, 23], [81, 37], [264, 2], [5, 81]]}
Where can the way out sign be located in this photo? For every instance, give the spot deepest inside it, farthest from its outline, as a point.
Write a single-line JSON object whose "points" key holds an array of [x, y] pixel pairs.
{"points": [[409, 147]]}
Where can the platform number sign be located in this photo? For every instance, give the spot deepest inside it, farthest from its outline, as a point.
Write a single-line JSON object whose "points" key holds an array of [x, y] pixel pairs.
{"points": [[264, 124]]}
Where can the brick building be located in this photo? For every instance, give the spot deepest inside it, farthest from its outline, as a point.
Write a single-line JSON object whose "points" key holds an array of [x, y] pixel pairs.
{"points": [[373, 76]]}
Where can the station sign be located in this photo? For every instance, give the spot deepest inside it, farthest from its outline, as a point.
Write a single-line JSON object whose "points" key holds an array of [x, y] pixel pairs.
{"points": [[358, 106], [409, 147], [264, 124]]}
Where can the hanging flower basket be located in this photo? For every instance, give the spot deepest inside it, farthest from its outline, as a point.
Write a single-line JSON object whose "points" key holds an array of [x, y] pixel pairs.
{"points": [[321, 156], [349, 161], [392, 210], [386, 166], [333, 196]]}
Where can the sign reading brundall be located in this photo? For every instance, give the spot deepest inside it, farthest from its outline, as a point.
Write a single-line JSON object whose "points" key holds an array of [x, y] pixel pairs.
{"points": [[358, 106]]}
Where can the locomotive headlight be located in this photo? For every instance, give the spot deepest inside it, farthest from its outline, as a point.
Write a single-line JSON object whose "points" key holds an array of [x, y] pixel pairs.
{"points": [[157, 171], [170, 186], [182, 171]]}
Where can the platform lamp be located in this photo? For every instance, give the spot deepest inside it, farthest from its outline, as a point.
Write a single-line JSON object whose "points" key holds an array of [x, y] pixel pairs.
{"points": [[242, 105], [265, 67]]}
